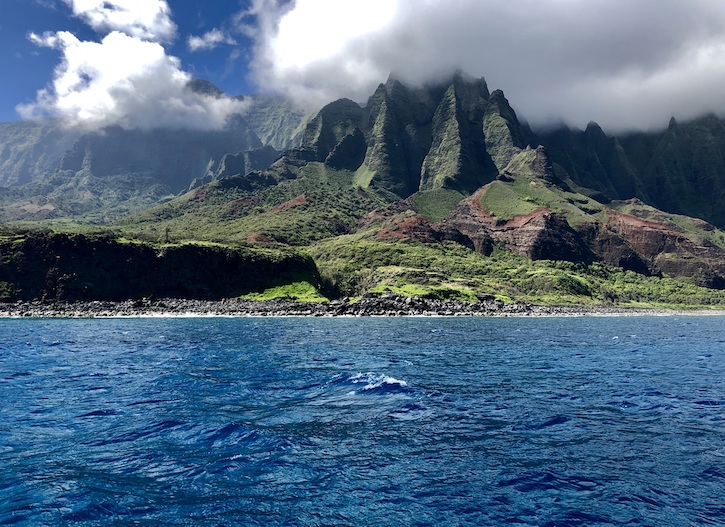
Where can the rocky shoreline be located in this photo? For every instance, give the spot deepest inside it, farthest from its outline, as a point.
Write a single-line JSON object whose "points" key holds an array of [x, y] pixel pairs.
{"points": [[369, 305]]}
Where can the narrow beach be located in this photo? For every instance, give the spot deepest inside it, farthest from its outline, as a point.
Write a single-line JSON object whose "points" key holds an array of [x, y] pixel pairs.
{"points": [[391, 305]]}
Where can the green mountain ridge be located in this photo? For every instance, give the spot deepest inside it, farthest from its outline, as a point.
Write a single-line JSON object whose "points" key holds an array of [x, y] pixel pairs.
{"points": [[680, 170], [422, 191], [31, 150], [427, 158]]}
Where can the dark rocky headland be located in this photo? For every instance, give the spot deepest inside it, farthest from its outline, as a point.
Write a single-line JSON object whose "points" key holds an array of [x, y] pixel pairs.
{"points": [[51, 267]]}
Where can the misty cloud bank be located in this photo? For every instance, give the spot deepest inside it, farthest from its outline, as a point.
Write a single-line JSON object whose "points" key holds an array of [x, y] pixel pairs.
{"points": [[127, 78], [622, 63]]}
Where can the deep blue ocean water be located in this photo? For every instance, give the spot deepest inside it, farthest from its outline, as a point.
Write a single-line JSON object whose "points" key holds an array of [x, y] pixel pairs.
{"points": [[373, 422]]}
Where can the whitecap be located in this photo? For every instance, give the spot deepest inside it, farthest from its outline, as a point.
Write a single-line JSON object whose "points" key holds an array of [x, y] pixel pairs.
{"points": [[376, 380]]}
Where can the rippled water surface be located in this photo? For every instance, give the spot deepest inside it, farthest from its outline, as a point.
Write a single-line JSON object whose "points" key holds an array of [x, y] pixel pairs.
{"points": [[409, 421]]}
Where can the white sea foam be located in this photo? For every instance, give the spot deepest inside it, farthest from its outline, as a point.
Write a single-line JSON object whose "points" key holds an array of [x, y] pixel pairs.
{"points": [[376, 380]]}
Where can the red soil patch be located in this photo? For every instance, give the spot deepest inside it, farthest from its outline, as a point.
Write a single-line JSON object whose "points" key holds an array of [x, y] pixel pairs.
{"points": [[519, 221], [295, 202], [475, 201], [239, 206], [243, 202], [415, 227], [200, 193]]}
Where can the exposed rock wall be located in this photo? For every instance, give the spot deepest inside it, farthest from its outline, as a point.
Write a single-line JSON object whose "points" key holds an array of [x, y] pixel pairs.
{"points": [[76, 267]]}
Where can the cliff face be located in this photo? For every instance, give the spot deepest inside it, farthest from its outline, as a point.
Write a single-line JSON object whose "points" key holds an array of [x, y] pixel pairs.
{"points": [[30, 151], [276, 121], [666, 251], [76, 267], [408, 140], [679, 170], [541, 235]]}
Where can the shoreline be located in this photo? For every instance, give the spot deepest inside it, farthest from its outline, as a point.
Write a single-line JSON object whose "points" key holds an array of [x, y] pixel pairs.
{"points": [[368, 306]]}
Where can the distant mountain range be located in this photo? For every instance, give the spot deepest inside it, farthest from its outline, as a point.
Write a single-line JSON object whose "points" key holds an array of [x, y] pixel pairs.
{"points": [[47, 171], [444, 164]]}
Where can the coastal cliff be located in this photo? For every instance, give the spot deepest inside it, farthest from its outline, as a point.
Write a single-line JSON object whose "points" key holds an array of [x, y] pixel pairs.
{"points": [[76, 267]]}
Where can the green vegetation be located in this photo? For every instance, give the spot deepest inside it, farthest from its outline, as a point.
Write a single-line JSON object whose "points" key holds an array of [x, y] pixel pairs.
{"points": [[363, 177], [103, 267], [528, 191], [317, 204], [351, 196], [443, 163], [501, 128], [436, 204], [527, 194], [353, 265], [301, 291], [504, 202]]}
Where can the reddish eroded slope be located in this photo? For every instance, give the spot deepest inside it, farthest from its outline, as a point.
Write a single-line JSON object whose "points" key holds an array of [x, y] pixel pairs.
{"points": [[294, 202], [540, 235], [419, 228], [669, 252]]}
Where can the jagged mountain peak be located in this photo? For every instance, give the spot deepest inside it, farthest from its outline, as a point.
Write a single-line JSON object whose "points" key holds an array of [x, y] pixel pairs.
{"points": [[593, 128], [470, 89], [504, 134], [204, 87], [415, 138], [332, 123]]}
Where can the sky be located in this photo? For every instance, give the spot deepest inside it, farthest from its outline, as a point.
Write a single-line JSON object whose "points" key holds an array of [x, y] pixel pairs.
{"points": [[626, 64]]}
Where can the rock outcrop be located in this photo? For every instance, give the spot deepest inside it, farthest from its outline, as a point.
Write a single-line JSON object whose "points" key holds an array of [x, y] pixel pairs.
{"points": [[75, 267], [668, 252], [541, 235]]}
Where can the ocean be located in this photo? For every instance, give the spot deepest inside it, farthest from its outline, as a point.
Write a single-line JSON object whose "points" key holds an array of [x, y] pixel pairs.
{"points": [[573, 421]]}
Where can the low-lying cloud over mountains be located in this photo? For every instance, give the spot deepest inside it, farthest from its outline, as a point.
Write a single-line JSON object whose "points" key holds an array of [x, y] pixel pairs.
{"points": [[625, 64]]}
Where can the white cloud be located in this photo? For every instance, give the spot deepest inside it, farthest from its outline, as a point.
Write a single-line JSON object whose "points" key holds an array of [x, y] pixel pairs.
{"points": [[619, 62], [143, 19], [126, 78], [209, 40], [316, 50]]}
